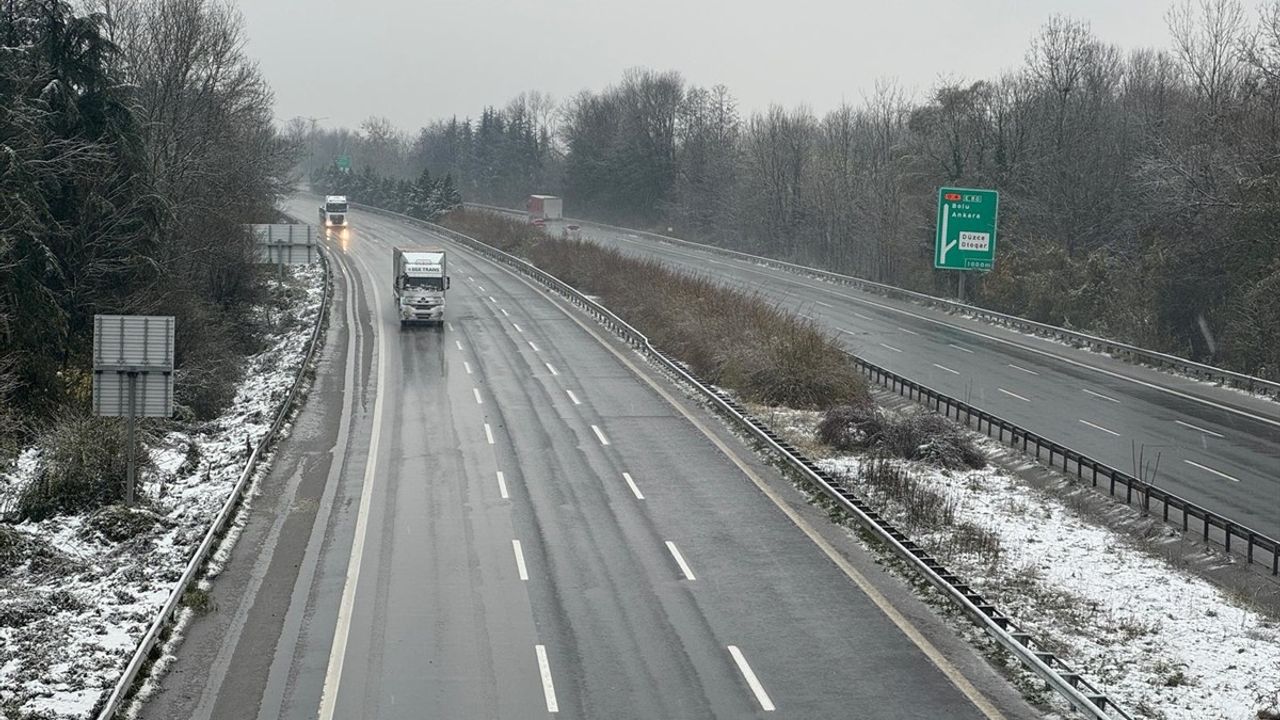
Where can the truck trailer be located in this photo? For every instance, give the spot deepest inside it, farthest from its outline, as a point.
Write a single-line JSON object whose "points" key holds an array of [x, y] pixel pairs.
{"points": [[545, 207], [420, 283]]}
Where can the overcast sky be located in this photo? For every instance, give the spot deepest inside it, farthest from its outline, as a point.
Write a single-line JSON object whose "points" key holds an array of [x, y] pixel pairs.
{"points": [[415, 60]]}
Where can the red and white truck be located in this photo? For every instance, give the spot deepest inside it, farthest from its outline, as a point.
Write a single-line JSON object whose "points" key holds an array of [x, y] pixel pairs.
{"points": [[544, 207]]}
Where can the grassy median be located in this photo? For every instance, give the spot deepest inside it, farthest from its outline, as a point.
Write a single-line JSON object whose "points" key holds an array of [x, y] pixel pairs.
{"points": [[735, 339]]}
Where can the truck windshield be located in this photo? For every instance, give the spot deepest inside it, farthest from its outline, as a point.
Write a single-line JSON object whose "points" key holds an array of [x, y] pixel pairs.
{"points": [[434, 283], [336, 207]]}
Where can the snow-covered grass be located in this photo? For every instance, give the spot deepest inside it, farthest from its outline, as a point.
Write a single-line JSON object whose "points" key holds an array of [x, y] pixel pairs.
{"points": [[1160, 640], [78, 592]]}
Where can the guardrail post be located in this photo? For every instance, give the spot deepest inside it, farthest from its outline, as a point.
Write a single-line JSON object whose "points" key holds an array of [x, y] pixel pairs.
{"points": [[1249, 552]]}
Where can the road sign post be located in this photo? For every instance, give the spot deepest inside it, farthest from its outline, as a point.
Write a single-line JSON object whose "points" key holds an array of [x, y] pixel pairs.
{"points": [[966, 230], [132, 375]]}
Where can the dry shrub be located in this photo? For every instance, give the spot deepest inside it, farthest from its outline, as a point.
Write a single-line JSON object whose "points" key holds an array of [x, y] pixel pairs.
{"points": [[732, 338], [923, 436], [83, 468]]}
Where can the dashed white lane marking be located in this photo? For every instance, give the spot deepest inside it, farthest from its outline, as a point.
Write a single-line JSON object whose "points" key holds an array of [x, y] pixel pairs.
{"points": [[458, 343], [524, 572], [753, 682], [479, 400], [573, 397], [1100, 396], [552, 368], [548, 687], [470, 279], [827, 305], [1099, 427], [909, 332], [1199, 429], [517, 327], [1013, 394], [944, 367], [481, 288], [1022, 369], [492, 300], [502, 486], [467, 366], [632, 484], [535, 347], [1206, 468], [449, 325], [488, 433], [684, 566], [504, 312], [864, 317], [603, 440], [890, 347], [961, 349]]}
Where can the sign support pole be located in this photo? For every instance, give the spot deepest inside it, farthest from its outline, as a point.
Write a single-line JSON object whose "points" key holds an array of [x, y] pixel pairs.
{"points": [[961, 288], [131, 454]]}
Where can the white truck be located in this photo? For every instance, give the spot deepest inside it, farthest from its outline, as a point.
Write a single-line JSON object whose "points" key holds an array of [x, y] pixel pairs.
{"points": [[333, 213], [542, 208], [420, 283]]}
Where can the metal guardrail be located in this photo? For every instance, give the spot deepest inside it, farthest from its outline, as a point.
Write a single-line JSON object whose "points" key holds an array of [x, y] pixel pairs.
{"points": [[1061, 677], [1210, 525], [1132, 353], [123, 689]]}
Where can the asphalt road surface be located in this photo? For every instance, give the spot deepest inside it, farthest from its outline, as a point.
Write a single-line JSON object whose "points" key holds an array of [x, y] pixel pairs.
{"points": [[1215, 446], [513, 517]]}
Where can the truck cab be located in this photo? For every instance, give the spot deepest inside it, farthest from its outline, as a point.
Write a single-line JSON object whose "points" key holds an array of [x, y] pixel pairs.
{"points": [[420, 282], [333, 213]]}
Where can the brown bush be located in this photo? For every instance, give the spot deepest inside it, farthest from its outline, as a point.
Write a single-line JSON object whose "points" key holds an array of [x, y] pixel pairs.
{"points": [[734, 339], [923, 436]]}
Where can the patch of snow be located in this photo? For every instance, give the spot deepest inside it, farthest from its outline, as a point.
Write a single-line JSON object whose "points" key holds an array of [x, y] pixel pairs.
{"points": [[69, 625]]}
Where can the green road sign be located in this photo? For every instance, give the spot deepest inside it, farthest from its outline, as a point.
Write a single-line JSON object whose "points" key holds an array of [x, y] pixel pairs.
{"points": [[343, 162], [966, 229]]}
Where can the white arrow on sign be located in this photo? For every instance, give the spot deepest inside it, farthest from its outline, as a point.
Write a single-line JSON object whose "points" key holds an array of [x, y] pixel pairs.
{"points": [[946, 213]]}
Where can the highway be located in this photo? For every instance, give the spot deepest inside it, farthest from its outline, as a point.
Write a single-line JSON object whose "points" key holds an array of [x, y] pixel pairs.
{"points": [[1215, 446], [513, 516]]}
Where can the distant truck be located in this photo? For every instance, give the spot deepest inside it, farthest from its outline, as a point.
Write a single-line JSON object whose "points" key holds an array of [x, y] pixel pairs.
{"points": [[333, 213], [544, 207], [421, 279]]}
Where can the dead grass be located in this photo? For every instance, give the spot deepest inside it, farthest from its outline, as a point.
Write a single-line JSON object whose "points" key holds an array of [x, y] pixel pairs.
{"points": [[734, 339]]}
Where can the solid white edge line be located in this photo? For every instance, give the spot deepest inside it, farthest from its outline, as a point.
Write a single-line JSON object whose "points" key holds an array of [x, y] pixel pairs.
{"points": [[1209, 469], [753, 682], [342, 629], [944, 367], [552, 369], [488, 434], [573, 397], [603, 440], [684, 566], [1099, 427], [548, 687], [961, 349], [1022, 369], [479, 400], [520, 567], [632, 484], [502, 486], [467, 366], [890, 347], [1108, 398], [1199, 429], [1013, 394]]}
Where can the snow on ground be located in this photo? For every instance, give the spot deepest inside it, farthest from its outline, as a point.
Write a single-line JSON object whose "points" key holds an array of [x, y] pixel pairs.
{"points": [[1159, 640], [73, 610]]}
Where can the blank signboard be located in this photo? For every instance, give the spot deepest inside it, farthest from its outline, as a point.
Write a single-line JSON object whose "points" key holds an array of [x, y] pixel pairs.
{"points": [[286, 244], [141, 345]]}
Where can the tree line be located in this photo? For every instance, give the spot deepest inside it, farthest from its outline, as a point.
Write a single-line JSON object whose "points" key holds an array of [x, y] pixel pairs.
{"points": [[1140, 192], [135, 139], [424, 198]]}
